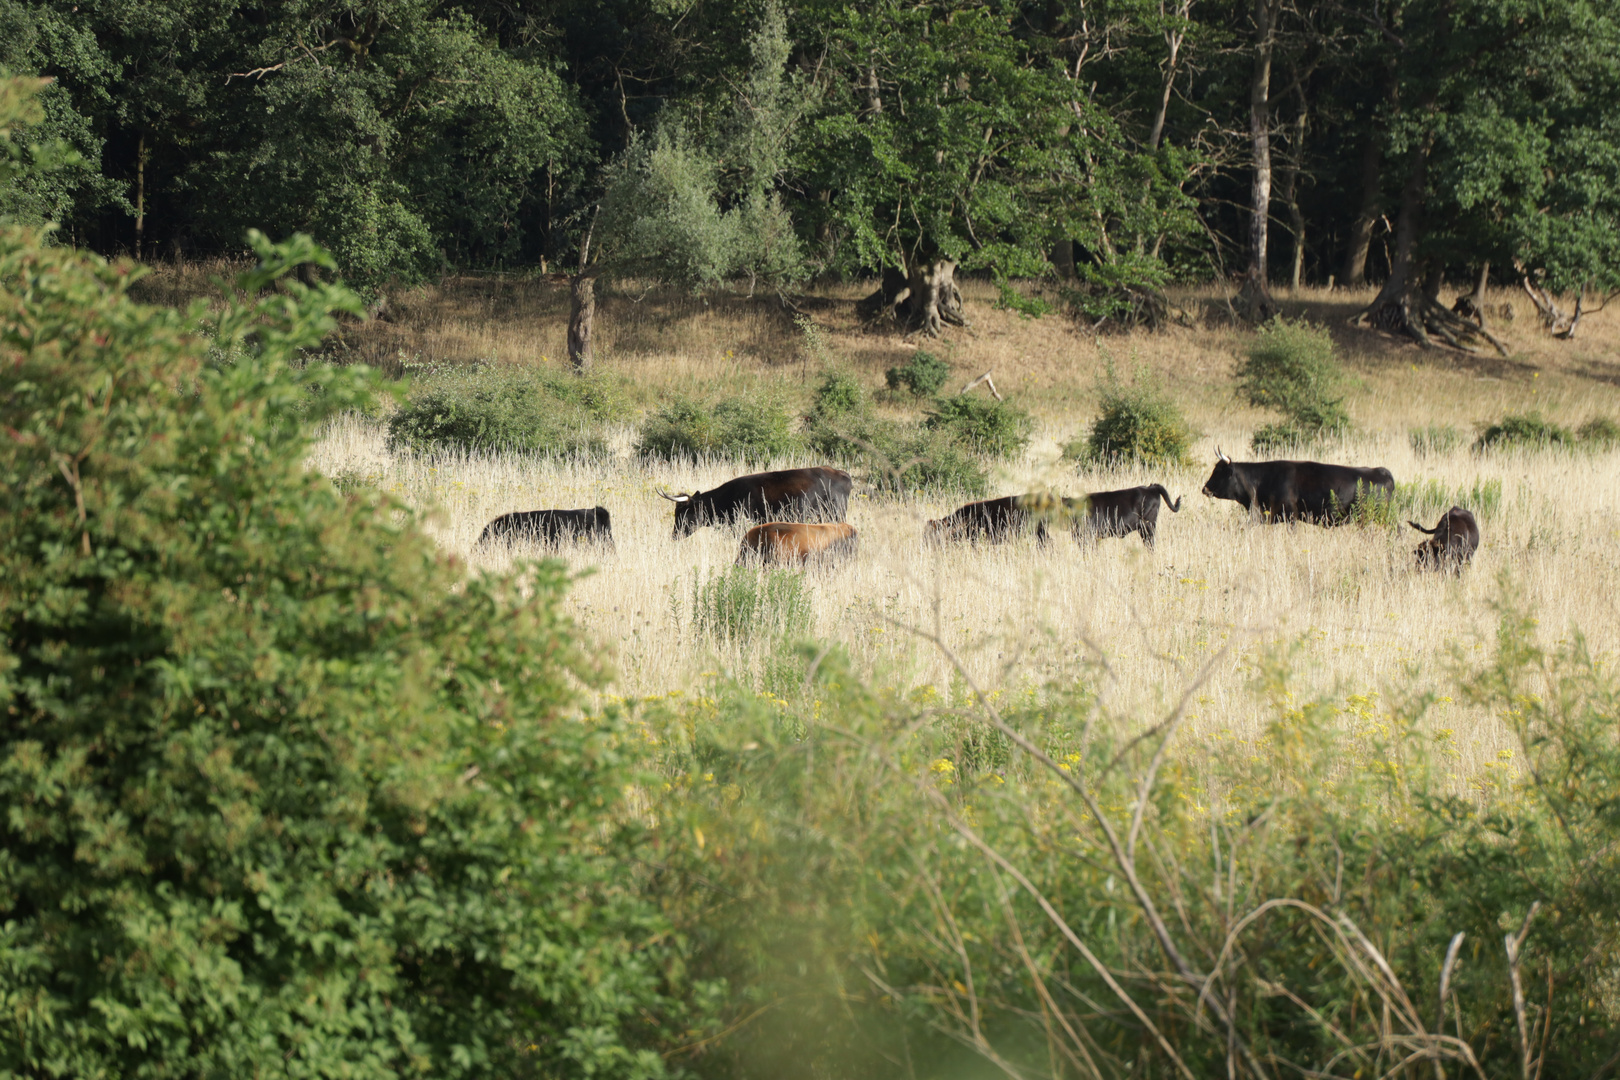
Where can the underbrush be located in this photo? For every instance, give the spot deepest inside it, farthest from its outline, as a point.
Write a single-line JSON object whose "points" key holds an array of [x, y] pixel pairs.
{"points": [[1135, 423], [1057, 889], [493, 408], [753, 429], [1533, 431], [895, 455]]}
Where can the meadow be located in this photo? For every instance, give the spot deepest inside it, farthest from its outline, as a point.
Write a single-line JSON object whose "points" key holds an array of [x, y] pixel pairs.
{"points": [[1143, 626]]}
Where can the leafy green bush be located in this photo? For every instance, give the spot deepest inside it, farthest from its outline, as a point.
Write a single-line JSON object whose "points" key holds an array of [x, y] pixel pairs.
{"points": [[1434, 439], [1135, 423], [1281, 439], [491, 408], [1528, 430], [743, 604], [287, 794], [897, 457], [840, 394], [1599, 433], [984, 425], [1010, 299], [922, 375], [1291, 368], [754, 429]]}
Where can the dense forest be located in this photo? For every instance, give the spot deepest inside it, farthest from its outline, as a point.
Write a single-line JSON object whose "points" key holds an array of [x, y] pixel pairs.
{"points": [[1118, 144]]}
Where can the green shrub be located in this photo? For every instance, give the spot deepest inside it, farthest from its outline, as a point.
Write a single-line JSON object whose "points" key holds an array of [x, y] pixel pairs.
{"points": [[1528, 430], [1423, 499], [1600, 433], [1010, 299], [923, 375], [1281, 439], [754, 429], [1434, 439], [287, 794], [898, 457], [743, 604], [840, 394], [1291, 368], [514, 408], [1135, 423], [1375, 507], [983, 425]]}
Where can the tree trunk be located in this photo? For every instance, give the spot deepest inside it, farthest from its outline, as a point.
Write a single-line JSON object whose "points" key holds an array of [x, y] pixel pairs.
{"points": [[1063, 258], [581, 321], [1390, 309], [1355, 256], [1172, 41], [1288, 188], [1406, 304], [1472, 305], [935, 299], [140, 194], [1254, 300]]}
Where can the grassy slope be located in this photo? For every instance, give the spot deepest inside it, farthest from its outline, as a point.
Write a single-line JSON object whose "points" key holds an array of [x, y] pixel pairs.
{"points": [[1020, 618]]}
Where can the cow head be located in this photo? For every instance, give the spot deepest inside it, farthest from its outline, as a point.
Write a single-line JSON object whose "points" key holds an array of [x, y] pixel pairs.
{"points": [[686, 516], [1221, 483]]}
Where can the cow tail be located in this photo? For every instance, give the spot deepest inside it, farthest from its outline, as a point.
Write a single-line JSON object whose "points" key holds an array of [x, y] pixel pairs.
{"points": [[1175, 507], [1421, 529]]}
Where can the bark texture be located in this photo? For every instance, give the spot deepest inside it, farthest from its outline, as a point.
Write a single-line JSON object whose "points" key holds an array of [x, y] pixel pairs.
{"points": [[1361, 231], [1254, 301], [921, 301], [581, 321]]}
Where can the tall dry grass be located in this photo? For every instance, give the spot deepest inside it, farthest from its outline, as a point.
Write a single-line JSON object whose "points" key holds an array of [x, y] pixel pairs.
{"points": [[1217, 588]]}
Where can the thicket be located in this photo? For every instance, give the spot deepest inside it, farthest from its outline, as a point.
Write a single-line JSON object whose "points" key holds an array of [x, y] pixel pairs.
{"points": [[754, 428], [506, 408], [996, 429], [891, 454], [1291, 368], [1135, 423], [1533, 431], [922, 376], [967, 882], [286, 793]]}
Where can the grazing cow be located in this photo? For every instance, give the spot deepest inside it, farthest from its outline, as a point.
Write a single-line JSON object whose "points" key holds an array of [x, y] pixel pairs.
{"points": [[1296, 490], [816, 494], [994, 520], [1120, 513], [551, 527], [797, 541], [1456, 538]]}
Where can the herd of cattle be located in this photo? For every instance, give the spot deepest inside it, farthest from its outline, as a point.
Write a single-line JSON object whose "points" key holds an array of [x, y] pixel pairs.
{"points": [[802, 511]]}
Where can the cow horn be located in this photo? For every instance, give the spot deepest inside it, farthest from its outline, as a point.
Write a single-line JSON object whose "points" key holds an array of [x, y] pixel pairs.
{"points": [[675, 498], [1222, 456]]}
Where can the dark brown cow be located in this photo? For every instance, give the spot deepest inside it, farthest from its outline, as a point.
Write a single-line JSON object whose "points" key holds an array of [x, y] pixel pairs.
{"points": [[796, 541], [1455, 539], [551, 527], [1297, 490], [994, 520], [815, 494], [1120, 513]]}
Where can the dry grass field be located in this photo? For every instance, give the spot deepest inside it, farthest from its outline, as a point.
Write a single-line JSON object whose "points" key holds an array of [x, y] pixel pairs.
{"points": [[1362, 623]]}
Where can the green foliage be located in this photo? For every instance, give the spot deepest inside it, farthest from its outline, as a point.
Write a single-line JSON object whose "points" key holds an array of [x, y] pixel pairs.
{"points": [[1373, 507], [1291, 368], [1599, 433], [493, 409], [1425, 499], [1010, 299], [899, 457], [1435, 439], [1528, 430], [1136, 423], [754, 429], [742, 604], [840, 395], [984, 425], [287, 793], [918, 836], [923, 375]]}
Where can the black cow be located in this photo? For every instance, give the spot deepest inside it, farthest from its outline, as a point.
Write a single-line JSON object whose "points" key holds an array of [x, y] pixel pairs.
{"points": [[551, 527], [1456, 538], [994, 520], [820, 493], [1296, 490], [1120, 513]]}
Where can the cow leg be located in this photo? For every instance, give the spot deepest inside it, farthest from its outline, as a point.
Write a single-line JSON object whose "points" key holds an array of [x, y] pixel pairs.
{"points": [[1147, 532]]}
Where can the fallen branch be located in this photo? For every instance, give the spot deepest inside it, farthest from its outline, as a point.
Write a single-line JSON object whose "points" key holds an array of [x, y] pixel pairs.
{"points": [[987, 381]]}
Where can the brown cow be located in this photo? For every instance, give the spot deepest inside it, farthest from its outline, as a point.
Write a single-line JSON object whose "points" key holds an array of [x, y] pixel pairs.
{"points": [[797, 541], [1456, 538]]}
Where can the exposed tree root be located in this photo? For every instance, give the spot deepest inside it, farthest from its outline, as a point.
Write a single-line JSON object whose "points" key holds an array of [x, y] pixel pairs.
{"points": [[922, 302], [1418, 317]]}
